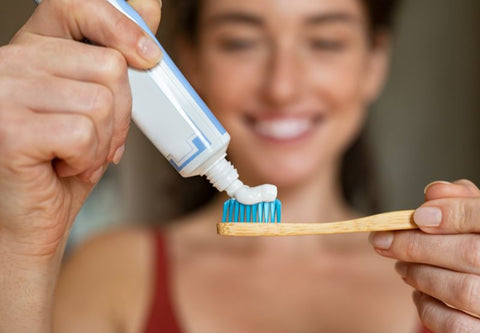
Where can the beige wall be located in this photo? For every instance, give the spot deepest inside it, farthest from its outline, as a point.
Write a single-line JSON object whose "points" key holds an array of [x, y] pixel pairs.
{"points": [[12, 16], [425, 126]]}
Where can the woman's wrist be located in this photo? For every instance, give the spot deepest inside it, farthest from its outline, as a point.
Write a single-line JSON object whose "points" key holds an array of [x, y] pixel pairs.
{"points": [[27, 286]]}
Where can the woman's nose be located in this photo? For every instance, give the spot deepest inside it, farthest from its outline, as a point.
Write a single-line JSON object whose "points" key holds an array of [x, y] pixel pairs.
{"points": [[282, 77]]}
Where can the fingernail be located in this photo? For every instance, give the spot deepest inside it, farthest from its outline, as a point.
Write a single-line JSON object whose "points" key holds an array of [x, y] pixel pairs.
{"points": [[401, 269], [382, 240], [433, 183], [149, 49], [428, 216], [118, 155], [96, 175]]}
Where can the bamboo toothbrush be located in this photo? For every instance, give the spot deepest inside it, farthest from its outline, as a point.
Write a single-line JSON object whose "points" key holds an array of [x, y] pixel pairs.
{"points": [[399, 220]]}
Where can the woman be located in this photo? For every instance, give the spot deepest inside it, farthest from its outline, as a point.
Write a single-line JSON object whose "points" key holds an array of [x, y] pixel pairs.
{"points": [[291, 83]]}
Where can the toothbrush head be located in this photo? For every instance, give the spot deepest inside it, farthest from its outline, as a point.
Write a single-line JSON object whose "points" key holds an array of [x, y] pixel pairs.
{"points": [[263, 212]]}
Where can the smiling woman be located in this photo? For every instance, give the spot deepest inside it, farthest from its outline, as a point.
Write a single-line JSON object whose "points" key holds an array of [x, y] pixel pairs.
{"points": [[292, 82], [260, 52]]}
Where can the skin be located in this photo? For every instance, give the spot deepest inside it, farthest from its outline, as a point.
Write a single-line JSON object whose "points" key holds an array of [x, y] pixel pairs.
{"points": [[305, 284], [71, 103]]}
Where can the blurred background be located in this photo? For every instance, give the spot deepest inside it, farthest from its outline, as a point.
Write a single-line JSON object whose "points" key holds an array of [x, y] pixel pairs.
{"points": [[425, 126]]}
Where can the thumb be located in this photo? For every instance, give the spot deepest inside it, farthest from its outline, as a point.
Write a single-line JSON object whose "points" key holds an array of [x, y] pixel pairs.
{"points": [[99, 22]]}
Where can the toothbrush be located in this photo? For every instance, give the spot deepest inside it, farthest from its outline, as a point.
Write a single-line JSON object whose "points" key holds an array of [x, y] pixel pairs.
{"points": [[398, 220], [180, 125]]}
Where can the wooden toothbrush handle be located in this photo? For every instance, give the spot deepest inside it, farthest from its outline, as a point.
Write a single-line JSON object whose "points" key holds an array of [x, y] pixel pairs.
{"points": [[398, 220]]}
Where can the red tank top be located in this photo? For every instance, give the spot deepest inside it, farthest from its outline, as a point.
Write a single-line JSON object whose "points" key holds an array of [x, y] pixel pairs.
{"points": [[162, 316]]}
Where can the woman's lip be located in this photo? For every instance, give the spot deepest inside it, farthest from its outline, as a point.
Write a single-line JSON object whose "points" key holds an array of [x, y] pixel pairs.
{"points": [[283, 129]]}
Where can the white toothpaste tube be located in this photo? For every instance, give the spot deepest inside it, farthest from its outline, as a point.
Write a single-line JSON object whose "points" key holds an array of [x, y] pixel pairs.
{"points": [[181, 126]]}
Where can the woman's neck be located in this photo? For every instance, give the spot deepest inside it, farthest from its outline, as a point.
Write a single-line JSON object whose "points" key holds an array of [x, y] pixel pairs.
{"points": [[317, 199]]}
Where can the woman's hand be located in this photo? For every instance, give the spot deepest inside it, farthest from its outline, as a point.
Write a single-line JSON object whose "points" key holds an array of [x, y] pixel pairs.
{"points": [[442, 261], [64, 116]]}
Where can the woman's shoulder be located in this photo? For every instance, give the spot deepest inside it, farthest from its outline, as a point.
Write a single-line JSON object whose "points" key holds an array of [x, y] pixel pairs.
{"points": [[117, 246], [115, 251], [107, 281]]}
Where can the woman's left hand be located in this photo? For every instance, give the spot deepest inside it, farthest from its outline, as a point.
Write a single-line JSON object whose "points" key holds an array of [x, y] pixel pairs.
{"points": [[442, 261]]}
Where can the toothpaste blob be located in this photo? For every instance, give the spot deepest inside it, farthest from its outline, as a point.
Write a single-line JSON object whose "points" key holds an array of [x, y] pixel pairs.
{"points": [[253, 195]]}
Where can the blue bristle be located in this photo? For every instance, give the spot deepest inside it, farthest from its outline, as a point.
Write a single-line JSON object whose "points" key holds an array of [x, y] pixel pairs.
{"points": [[225, 210], [235, 219], [267, 212], [264, 212], [242, 210], [231, 210], [278, 210], [272, 209]]}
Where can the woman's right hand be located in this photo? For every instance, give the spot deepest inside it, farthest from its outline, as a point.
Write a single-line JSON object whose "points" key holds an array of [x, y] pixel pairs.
{"points": [[64, 115], [64, 112]]}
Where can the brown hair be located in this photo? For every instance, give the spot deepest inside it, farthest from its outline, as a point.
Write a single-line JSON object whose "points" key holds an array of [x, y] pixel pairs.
{"points": [[380, 15], [358, 179]]}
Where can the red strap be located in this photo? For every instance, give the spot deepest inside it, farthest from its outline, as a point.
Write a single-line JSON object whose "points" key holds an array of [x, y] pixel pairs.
{"points": [[162, 317]]}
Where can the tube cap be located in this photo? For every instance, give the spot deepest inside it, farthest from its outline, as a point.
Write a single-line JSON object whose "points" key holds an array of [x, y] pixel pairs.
{"points": [[223, 176]]}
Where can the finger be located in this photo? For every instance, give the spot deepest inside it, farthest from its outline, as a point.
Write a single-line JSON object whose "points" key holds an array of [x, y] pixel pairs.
{"points": [[449, 215], [87, 63], [65, 170], [89, 99], [99, 22], [459, 188], [460, 290], [440, 318], [149, 10], [456, 252], [46, 137], [35, 55]]}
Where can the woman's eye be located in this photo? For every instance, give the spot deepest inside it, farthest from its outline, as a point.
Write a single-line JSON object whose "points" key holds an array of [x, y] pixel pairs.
{"points": [[233, 45], [326, 44]]}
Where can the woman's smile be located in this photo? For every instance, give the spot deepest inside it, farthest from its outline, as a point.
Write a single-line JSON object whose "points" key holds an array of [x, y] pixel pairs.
{"points": [[283, 129]]}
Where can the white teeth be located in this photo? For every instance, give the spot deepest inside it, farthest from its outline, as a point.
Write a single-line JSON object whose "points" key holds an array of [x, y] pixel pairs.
{"points": [[283, 129]]}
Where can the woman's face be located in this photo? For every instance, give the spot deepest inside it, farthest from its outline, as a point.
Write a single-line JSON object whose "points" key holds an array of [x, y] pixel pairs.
{"points": [[289, 80]]}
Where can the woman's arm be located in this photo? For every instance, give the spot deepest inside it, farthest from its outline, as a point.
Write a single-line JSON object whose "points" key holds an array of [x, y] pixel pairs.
{"points": [[64, 116], [442, 261]]}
